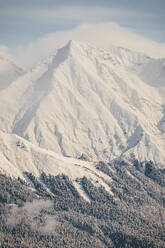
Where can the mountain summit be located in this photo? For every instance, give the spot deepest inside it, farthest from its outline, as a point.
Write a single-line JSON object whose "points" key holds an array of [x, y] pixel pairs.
{"points": [[92, 100]]}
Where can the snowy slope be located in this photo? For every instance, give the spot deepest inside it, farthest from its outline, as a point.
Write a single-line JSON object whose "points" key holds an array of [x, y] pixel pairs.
{"points": [[18, 155], [8, 72], [92, 100], [153, 73]]}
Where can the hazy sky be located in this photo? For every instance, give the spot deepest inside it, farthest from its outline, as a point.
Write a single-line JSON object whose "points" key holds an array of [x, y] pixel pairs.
{"points": [[25, 22]]}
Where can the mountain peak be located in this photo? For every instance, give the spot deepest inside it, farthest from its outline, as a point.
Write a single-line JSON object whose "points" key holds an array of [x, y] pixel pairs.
{"points": [[71, 46], [63, 53], [72, 43]]}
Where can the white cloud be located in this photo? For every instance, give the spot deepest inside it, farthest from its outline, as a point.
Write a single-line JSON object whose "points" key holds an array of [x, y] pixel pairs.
{"points": [[4, 51], [98, 33]]}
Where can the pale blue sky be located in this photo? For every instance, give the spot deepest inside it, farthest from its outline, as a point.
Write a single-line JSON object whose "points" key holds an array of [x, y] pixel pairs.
{"points": [[23, 21]]}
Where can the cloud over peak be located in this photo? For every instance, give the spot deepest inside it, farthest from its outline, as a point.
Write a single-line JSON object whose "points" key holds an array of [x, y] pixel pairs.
{"points": [[102, 34]]}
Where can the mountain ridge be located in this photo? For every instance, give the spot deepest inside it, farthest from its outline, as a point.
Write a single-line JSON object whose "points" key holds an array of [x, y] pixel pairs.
{"points": [[9, 72]]}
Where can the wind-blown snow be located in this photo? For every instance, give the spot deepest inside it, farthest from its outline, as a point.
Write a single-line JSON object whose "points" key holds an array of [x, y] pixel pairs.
{"points": [[106, 103]]}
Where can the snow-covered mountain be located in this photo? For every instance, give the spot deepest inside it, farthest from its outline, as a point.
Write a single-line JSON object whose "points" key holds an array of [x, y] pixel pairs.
{"points": [[78, 106], [106, 103], [8, 72]]}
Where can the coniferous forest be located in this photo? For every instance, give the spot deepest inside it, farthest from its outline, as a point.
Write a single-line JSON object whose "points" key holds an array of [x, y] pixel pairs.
{"points": [[48, 211]]}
